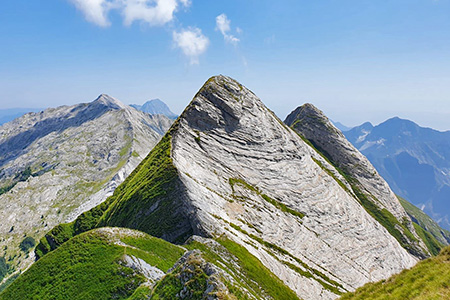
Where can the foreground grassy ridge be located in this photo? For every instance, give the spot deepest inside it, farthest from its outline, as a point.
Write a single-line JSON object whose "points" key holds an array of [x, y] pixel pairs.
{"points": [[90, 266], [429, 279], [144, 201]]}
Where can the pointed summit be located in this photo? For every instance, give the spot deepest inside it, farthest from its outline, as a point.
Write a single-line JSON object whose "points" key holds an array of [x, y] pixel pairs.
{"points": [[155, 107], [108, 101]]}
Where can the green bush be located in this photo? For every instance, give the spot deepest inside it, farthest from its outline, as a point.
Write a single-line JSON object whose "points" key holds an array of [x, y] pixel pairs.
{"points": [[3, 268], [27, 244]]}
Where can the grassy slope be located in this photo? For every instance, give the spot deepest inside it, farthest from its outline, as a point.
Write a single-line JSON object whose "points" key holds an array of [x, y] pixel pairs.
{"points": [[143, 201], [429, 279], [88, 267], [431, 233]]}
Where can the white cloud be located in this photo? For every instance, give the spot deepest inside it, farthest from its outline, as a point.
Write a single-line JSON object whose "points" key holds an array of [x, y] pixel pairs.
{"points": [[223, 25], [94, 11], [153, 12], [192, 42]]}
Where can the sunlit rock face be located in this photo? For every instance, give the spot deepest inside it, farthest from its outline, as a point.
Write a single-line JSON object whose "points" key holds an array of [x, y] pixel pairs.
{"points": [[247, 175], [60, 162]]}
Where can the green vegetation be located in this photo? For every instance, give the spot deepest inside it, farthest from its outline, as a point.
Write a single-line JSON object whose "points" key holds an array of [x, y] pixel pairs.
{"points": [[429, 279], [277, 204], [90, 266], [172, 284], [249, 273], [387, 219], [27, 244], [428, 230], [157, 252], [3, 268], [144, 201], [430, 241], [8, 282], [324, 280], [21, 176]]}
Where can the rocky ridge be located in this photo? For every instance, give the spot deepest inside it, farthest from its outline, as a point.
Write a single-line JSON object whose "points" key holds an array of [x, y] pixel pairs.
{"points": [[366, 183], [58, 163]]}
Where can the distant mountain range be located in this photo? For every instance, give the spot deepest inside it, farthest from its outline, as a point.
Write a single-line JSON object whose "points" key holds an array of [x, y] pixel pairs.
{"points": [[155, 107], [414, 160]]}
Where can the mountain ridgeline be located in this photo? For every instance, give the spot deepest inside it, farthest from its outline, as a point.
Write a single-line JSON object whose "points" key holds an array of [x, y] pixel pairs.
{"points": [[61, 162], [415, 161], [367, 185], [229, 179]]}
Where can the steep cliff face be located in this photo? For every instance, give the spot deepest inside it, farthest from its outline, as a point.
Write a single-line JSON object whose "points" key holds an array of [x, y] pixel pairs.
{"points": [[58, 163], [245, 171], [229, 167], [370, 188]]}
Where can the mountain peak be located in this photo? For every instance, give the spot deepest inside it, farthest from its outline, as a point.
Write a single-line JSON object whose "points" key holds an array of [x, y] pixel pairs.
{"points": [[223, 86], [108, 101], [224, 103], [310, 114], [155, 107]]}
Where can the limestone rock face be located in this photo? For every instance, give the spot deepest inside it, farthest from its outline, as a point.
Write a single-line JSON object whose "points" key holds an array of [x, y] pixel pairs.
{"points": [[247, 175], [60, 162], [313, 125]]}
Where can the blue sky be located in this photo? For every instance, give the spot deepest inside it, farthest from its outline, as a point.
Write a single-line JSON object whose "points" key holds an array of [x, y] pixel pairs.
{"points": [[356, 60]]}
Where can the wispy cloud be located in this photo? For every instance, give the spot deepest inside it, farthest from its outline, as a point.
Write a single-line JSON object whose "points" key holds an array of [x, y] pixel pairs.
{"points": [[153, 12], [95, 11], [223, 25], [192, 42]]}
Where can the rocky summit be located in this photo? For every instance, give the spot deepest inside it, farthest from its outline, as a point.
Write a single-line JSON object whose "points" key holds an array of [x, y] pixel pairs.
{"points": [[58, 163], [229, 170]]}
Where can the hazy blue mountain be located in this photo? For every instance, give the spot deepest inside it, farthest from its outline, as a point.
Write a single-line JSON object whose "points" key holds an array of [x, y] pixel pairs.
{"points": [[155, 107], [414, 160], [10, 114], [341, 126]]}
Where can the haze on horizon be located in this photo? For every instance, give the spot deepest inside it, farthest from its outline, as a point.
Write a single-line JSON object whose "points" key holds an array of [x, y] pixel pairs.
{"points": [[356, 60]]}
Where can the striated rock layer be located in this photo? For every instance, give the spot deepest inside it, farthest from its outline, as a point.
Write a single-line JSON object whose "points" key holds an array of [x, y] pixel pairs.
{"points": [[248, 176], [58, 163], [367, 184]]}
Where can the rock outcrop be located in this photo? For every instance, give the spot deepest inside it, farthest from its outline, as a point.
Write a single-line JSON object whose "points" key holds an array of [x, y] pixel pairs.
{"points": [[230, 168], [58, 163], [371, 189]]}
